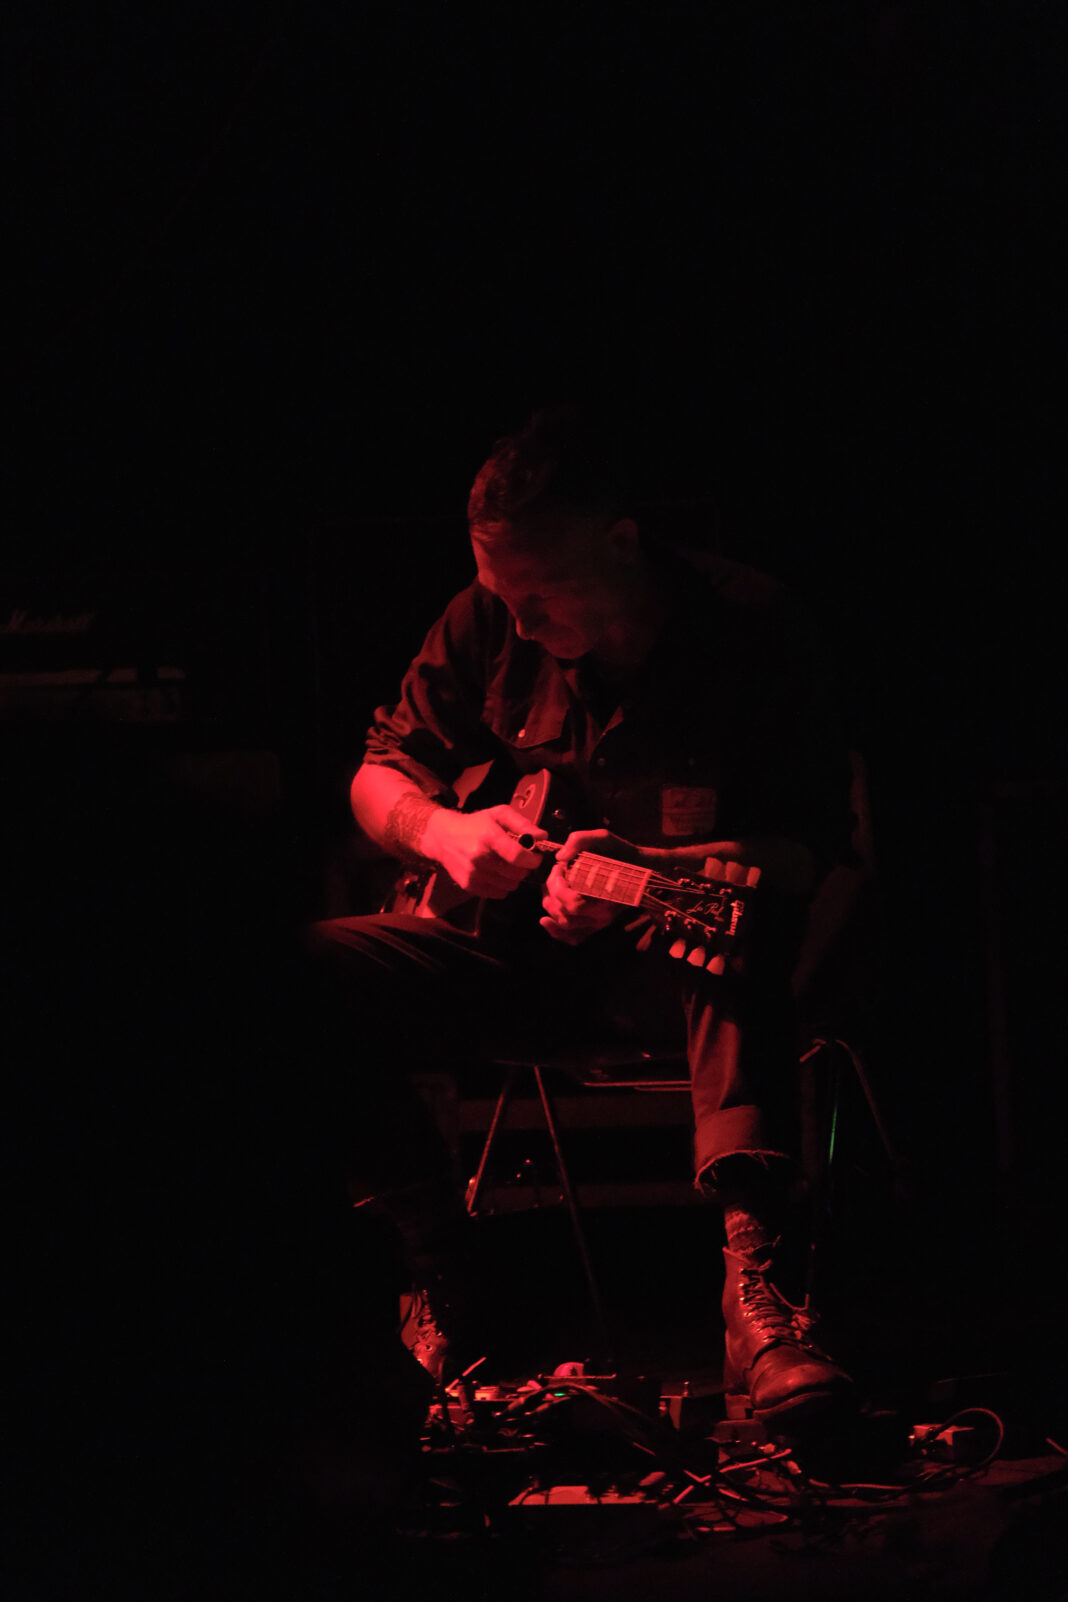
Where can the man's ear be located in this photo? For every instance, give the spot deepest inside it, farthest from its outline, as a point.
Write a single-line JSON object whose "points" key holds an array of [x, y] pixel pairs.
{"points": [[624, 541]]}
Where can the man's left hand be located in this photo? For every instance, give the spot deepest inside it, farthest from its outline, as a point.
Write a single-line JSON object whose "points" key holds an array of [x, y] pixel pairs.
{"points": [[570, 917]]}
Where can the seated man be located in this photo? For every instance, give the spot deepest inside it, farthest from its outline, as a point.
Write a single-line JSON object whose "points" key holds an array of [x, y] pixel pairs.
{"points": [[680, 705]]}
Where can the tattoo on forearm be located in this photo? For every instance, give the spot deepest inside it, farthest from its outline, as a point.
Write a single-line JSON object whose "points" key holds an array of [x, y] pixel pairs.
{"points": [[406, 825]]}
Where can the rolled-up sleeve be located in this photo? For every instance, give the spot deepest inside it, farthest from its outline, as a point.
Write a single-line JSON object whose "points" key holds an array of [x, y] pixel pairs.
{"points": [[435, 729]]}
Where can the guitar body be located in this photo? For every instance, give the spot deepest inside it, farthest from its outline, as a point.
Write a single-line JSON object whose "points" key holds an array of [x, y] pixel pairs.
{"points": [[703, 919], [430, 893]]}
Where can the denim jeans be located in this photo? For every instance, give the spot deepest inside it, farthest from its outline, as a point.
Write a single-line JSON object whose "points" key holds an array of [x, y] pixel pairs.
{"points": [[398, 993]]}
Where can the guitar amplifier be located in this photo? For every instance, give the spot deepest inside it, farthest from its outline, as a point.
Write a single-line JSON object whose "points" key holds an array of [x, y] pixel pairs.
{"points": [[166, 627]]}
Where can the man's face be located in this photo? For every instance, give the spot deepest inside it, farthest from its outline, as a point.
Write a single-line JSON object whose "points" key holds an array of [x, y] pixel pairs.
{"points": [[565, 593]]}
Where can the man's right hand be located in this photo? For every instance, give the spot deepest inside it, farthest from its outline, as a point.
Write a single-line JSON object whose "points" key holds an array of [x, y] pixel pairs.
{"points": [[479, 851]]}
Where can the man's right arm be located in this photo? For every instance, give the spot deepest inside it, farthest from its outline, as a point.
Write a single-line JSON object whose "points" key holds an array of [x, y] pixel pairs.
{"points": [[395, 813], [479, 851]]}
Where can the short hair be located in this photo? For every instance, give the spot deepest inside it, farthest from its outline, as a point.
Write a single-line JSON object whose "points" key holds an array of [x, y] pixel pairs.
{"points": [[565, 460]]}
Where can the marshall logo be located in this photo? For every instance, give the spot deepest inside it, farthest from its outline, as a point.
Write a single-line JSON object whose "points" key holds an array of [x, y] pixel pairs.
{"points": [[26, 624]]}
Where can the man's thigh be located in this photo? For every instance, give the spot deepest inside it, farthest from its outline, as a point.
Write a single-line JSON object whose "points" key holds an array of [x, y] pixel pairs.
{"points": [[419, 976], [398, 995]]}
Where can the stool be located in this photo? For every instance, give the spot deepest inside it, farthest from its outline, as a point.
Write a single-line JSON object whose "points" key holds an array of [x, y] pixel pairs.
{"points": [[594, 1070], [664, 1070]]}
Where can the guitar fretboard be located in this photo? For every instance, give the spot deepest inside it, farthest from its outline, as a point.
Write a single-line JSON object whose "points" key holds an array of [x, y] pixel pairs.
{"points": [[608, 880]]}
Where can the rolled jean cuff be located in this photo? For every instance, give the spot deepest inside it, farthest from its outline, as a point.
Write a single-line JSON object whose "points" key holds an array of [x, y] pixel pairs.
{"points": [[733, 1132]]}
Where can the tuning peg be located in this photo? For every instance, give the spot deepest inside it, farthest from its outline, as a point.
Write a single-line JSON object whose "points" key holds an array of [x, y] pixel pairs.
{"points": [[716, 964], [697, 956], [677, 948], [734, 873], [753, 876], [645, 940], [713, 868]]}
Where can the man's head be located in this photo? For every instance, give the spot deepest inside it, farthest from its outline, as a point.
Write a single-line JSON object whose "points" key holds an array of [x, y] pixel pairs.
{"points": [[564, 462], [550, 522]]}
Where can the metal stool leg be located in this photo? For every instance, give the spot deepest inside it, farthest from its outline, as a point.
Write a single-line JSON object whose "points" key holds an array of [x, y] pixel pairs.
{"points": [[576, 1222], [474, 1189], [822, 1181], [822, 1193]]}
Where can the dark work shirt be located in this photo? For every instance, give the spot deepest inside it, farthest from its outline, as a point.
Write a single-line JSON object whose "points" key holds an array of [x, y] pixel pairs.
{"points": [[728, 729]]}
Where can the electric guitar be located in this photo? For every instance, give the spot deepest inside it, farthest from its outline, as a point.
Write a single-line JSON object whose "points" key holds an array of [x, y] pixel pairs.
{"points": [[703, 919]]}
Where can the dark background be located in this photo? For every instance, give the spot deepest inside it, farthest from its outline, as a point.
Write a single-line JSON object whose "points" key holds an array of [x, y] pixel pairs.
{"points": [[279, 275], [282, 274]]}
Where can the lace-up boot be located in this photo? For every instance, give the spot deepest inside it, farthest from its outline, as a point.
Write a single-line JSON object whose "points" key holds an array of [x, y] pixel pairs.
{"points": [[769, 1353], [435, 1331], [441, 1317]]}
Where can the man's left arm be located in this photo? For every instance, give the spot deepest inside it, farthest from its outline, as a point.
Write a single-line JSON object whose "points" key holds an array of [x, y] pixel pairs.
{"points": [[794, 821], [797, 776]]}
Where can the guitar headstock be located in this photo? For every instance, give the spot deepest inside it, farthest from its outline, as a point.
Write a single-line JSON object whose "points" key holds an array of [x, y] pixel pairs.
{"points": [[706, 919]]}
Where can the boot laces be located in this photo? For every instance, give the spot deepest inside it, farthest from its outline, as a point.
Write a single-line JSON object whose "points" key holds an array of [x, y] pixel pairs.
{"points": [[762, 1303], [771, 1314], [421, 1331]]}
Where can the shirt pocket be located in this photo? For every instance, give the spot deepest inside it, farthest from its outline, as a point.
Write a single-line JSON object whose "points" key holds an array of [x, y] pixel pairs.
{"points": [[694, 785], [524, 728]]}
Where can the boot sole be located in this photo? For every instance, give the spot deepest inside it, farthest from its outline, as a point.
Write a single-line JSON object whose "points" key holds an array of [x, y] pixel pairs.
{"points": [[807, 1408]]}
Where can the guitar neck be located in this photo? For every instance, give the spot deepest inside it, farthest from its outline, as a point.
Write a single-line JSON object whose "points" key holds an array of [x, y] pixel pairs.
{"points": [[608, 880], [704, 915]]}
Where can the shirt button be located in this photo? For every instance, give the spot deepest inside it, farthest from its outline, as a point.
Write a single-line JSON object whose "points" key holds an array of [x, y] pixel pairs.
{"points": [[601, 761], [522, 734]]}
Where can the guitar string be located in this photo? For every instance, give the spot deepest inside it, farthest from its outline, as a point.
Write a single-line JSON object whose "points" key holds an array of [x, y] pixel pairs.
{"points": [[626, 873], [666, 906], [657, 903], [629, 872], [657, 881]]}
